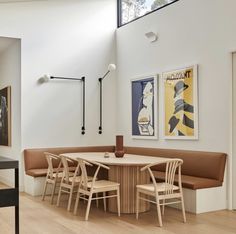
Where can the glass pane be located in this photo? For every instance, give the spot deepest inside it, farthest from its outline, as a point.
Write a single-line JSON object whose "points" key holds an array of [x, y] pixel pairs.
{"points": [[132, 9]]}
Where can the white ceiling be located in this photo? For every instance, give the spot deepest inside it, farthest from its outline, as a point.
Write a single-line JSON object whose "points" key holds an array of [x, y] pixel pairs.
{"points": [[5, 42]]}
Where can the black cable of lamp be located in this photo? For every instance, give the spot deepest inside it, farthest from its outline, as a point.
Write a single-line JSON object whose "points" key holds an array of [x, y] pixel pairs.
{"points": [[110, 68], [100, 124], [83, 126]]}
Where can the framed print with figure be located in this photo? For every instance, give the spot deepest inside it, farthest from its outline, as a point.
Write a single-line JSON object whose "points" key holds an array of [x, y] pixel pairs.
{"points": [[144, 94], [5, 116], [180, 103]]}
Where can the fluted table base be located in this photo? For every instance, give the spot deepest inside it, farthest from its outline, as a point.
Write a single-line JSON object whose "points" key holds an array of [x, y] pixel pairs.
{"points": [[128, 177]]}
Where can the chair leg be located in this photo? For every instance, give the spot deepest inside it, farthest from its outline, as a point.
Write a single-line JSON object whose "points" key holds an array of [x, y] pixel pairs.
{"points": [[44, 190], [137, 203], [104, 201], [53, 191], [118, 201], [163, 207], [88, 206], [59, 196], [183, 208], [76, 203], [97, 200], [70, 199], [159, 212]]}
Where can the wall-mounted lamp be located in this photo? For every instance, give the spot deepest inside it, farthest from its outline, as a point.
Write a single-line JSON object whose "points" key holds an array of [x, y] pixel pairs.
{"points": [[151, 36], [47, 78], [111, 67]]}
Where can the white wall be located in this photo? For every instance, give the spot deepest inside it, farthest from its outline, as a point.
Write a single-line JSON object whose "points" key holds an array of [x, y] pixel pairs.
{"points": [[71, 38], [63, 38], [10, 76], [190, 32], [234, 133]]}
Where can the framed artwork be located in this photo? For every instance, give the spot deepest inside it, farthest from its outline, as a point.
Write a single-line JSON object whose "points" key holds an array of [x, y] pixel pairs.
{"points": [[180, 103], [5, 116], [144, 93]]}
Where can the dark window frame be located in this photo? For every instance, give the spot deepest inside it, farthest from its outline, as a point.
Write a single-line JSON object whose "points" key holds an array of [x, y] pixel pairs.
{"points": [[119, 13]]}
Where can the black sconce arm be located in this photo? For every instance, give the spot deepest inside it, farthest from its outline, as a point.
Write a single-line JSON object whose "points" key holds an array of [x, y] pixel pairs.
{"points": [[100, 82], [83, 88]]}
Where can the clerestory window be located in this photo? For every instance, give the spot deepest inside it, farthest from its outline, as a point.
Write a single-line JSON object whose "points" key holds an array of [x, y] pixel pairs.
{"points": [[130, 10]]}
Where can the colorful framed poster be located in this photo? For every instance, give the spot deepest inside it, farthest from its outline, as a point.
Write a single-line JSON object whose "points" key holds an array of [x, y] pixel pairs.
{"points": [[180, 103], [5, 116], [144, 107]]}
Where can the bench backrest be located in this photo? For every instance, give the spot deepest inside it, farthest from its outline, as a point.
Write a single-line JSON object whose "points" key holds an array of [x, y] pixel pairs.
{"points": [[196, 163], [35, 158]]}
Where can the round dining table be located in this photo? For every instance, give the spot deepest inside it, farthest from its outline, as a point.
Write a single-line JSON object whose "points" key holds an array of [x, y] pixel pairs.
{"points": [[126, 171]]}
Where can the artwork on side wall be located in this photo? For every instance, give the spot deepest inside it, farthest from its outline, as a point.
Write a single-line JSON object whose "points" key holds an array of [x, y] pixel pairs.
{"points": [[180, 103], [5, 116], [144, 107]]}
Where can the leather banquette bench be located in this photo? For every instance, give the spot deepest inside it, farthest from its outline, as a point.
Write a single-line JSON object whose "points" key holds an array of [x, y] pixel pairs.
{"points": [[36, 163], [199, 170], [202, 172]]}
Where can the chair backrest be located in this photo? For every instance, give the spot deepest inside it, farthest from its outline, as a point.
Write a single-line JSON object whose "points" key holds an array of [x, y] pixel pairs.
{"points": [[171, 169], [84, 176], [50, 157], [66, 170]]}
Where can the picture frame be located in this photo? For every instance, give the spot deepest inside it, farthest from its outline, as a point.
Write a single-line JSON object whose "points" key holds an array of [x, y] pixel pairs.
{"points": [[181, 103], [144, 105], [5, 116]]}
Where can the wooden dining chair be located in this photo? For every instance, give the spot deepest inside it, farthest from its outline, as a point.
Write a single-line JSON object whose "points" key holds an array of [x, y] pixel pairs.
{"points": [[69, 181], [162, 193], [88, 188], [53, 174]]}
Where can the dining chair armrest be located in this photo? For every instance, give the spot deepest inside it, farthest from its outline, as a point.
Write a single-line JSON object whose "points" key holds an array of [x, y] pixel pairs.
{"points": [[56, 157], [85, 162], [91, 163], [70, 160], [162, 162], [100, 165], [145, 167]]}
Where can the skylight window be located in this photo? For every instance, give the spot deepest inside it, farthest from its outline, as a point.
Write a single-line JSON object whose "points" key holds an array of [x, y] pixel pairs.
{"points": [[130, 10]]}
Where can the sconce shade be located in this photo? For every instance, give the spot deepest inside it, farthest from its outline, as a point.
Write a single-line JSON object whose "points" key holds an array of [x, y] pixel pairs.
{"points": [[44, 79], [111, 67]]}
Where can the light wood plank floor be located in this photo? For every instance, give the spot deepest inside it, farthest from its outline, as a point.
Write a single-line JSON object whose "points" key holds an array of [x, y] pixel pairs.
{"points": [[37, 217]]}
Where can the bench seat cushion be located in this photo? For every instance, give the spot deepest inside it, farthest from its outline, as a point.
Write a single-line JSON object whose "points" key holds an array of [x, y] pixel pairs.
{"points": [[191, 182], [42, 172], [37, 172]]}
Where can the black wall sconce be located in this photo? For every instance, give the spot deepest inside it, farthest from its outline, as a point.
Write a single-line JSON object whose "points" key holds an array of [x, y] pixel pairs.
{"points": [[47, 78], [111, 67]]}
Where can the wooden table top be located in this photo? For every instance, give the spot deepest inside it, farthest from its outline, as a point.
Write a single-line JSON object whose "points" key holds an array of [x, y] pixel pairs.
{"points": [[128, 159]]}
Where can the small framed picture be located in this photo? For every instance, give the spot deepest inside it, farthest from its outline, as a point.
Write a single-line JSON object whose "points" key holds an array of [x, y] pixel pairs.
{"points": [[5, 116], [144, 95], [181, 103]]}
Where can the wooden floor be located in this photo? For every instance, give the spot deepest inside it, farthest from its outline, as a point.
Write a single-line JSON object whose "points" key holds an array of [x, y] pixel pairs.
{"points": [[42, 218]]}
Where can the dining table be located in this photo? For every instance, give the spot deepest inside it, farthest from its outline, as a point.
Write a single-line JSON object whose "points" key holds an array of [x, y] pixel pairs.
{"points": [[126, 171]]}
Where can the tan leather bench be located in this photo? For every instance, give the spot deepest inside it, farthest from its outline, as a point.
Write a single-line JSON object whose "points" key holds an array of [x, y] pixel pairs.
{"points": [[36, 163], [199, 170], [202, 173]]}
